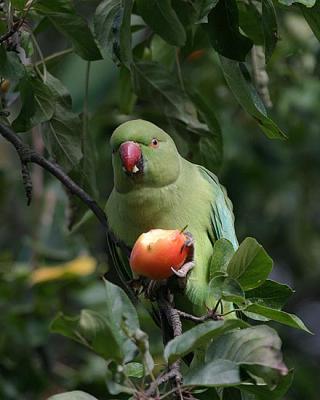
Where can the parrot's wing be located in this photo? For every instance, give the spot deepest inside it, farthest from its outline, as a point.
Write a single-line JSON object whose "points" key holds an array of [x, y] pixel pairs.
{"points": [[119, 257], [222, 217]]}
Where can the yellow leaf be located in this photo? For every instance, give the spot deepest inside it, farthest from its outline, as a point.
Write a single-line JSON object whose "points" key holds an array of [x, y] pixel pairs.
{"points": [[80, 266]]}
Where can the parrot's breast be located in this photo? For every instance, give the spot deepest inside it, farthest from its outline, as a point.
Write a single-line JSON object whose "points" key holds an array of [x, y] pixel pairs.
{"points": [[186, 202]]}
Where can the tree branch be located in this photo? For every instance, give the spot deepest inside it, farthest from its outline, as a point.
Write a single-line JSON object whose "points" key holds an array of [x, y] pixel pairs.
{"points": [[165, 302], [8, 34], [18, 24], [162, 378], [28, 155], [211, 315]]}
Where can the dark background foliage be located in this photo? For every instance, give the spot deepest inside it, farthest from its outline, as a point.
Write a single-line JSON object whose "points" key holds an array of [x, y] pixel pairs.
{"points": [[273, 184]]}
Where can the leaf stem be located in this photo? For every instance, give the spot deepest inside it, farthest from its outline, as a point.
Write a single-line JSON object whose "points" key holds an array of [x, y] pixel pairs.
{"points": [[54, 55], [43, 63], [179, 69], [231, 311]]}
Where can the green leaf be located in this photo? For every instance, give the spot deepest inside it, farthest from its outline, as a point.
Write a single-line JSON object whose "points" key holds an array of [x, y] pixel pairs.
{"points": [[141, 340], [26, 43], [38, 104], [120, 310], [134, 370], [222, 253], [264, 393], [74, 395], [60, 92], [214, 374], [117, 381], [250, 265], [208, 150], [248, 98], [10, 65], [62, 134], [307, 3], [198, 336], [223, 31], [163, 20], [126, 96], [226, 288], [154, 83], [92, 330], [203, 7], [278, 316], [62, 137], [232, 393], [270, 294], [270, 28], [256, 349], [119, 307], [162, 52], [63, 16], [112, 29], [250, 21], [312, 16], [19, 4]]}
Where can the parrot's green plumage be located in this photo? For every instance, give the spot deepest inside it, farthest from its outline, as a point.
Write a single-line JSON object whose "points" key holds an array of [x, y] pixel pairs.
{"points": [[169, 193]]}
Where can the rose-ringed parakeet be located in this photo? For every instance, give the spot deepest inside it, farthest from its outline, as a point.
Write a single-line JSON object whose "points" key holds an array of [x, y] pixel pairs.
{"points": [[155, 187]]}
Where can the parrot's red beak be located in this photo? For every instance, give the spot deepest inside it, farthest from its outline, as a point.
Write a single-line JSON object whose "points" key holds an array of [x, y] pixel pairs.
{"points": [[131, 157]]}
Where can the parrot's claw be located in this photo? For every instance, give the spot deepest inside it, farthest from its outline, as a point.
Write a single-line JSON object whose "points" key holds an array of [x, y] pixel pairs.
{"points": [[136, 285], [189, 239], [183, 271], [189, 264]]}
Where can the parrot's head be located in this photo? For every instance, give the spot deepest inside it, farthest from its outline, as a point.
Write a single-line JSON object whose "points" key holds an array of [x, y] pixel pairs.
{"points": [[143, 154]]}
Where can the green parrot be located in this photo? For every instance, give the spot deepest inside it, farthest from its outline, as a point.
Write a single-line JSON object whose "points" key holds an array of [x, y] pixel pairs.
{"points": [[155, 187]]}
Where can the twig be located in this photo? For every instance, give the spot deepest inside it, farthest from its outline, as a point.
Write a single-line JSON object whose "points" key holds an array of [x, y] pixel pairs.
{"points": [[161, 379], [11, 32], [53, 56], [28, 155], [179, 69], [17, 25], [260, 74], [231, 311], [210, 315]]}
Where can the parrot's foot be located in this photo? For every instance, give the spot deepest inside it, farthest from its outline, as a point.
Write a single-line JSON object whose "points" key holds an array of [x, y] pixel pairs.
{"points": [[136, 285], [190, 263], [189, 239], [183, 271]]}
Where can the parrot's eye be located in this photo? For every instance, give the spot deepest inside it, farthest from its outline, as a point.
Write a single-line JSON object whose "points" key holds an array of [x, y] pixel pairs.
{"points": [[154, 142]]}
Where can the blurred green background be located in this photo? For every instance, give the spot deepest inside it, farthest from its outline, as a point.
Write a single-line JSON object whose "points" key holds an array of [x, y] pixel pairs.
{"points": [[274, 187]]}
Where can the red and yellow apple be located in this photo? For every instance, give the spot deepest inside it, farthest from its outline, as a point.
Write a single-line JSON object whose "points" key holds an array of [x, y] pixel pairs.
{"points": [[157, 251]]}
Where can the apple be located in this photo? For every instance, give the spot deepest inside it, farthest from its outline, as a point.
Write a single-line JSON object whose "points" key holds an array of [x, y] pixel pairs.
{"points": [[157, 251]]}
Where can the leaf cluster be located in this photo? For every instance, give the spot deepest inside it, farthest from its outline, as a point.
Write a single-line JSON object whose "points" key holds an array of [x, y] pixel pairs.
{"points": [[225, 353]]}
